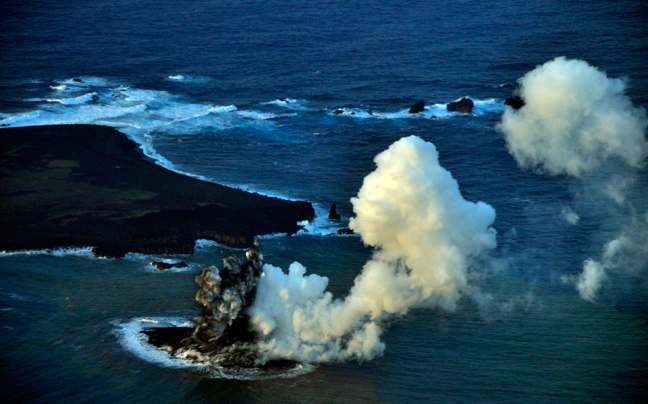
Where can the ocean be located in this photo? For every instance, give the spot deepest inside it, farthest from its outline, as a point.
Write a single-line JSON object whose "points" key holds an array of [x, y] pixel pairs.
{"points": [[295, 99]]}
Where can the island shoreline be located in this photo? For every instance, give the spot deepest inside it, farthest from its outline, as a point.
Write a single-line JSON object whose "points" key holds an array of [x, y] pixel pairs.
{"points": [[90, 185]]}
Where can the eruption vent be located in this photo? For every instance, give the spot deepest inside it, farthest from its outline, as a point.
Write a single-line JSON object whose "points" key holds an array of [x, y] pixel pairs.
{"points": [[223, 295], [425, 234]]}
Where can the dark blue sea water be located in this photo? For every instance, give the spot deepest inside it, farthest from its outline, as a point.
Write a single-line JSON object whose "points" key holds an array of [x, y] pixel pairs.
{"points": [[244, 93]]}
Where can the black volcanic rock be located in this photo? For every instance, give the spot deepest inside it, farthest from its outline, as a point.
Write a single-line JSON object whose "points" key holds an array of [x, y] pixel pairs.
{"points": [[515, 101], [88, 185], [417, 107], [162, 266], [222, 334], [223, 296], [333, 215], [464, 106]]}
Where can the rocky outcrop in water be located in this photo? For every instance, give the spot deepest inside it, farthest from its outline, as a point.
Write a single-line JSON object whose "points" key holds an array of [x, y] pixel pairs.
{"points": [[464, 106], [333, 215], [515, 101], [163, 266], [221, 334], [417, 107]]}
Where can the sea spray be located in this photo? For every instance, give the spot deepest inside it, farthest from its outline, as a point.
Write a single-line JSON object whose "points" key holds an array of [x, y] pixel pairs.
{"points": [[425, 235], [579, 122]]}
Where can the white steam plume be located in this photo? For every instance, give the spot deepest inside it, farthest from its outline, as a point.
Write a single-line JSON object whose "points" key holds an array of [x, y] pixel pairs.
{"points": [[590, 280], [575, 118], [574, 121], [425, 234], [569, 215]]}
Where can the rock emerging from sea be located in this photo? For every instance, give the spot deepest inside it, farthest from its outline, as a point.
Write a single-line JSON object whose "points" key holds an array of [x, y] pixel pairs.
{"points": [[221, 334], [417, 107], [163, 266], [464, 106], [515, 101], [333, 215]]}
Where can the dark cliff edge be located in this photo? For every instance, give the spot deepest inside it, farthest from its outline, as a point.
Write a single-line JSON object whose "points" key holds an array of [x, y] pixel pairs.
{"points": [[88, 185]]}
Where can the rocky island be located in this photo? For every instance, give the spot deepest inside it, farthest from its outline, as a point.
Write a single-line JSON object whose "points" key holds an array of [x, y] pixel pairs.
{"points": [[88, 185]]}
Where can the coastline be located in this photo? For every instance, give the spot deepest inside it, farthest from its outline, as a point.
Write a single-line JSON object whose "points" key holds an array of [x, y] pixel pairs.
{"points": [[89, 185]]}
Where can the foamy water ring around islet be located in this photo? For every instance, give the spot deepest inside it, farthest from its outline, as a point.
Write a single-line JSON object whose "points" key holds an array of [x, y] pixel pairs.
{"points": [[131, 336]]}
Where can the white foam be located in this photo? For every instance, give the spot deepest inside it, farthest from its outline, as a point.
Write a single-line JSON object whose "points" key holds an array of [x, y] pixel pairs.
{"points": [[259, 374], [272, 235], [21, 119], [87, 81], [256, 115], [289, 103], [146, 260], [139, 113], [439, 110], [136, 95], [85, 252], [321, 225], [491, 105], [204, 244], [82, 99], [130, 336], [354, 113], [429, 112], [189, 79], [80, 114], [60, 87], [135, 112]]}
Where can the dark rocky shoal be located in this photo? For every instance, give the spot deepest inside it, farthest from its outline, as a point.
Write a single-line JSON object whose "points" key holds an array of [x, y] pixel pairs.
{"points": [[174, 339], [88, 185]]}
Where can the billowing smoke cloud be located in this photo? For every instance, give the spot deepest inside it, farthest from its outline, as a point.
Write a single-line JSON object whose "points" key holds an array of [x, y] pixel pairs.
{"points": [[425, 234], [576, 121]]}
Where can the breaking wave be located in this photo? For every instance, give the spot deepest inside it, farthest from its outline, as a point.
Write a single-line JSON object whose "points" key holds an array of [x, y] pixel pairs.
{"points": [[432, 111], [130, 335]]}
